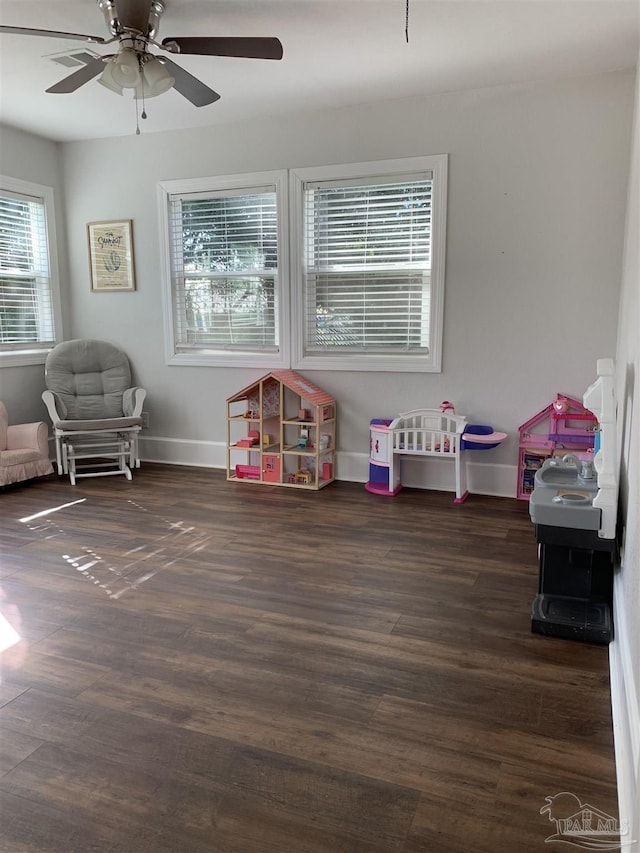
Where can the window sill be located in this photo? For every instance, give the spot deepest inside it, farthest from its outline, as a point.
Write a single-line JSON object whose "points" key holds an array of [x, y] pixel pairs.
{"points": [[23, 358], [271, 361], [374, 363]]}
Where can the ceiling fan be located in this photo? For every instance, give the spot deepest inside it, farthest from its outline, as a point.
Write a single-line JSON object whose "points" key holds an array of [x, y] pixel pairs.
{"points": [[134, 25]]}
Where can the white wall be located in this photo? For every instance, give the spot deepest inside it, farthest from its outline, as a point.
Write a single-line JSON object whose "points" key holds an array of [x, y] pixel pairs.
{"points": [[31, 158], [538, 177], [625, 650], [537, 187]]}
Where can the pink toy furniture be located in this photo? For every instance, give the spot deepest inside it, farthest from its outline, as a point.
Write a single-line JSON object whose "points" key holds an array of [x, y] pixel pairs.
{"points": [[281, 430], [424, 433], [564, 426], [24, 450]]}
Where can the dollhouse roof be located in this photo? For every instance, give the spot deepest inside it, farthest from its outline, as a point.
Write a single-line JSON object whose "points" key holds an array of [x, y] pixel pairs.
{"points": [[548, 410], [292, 380], [536, 419]]}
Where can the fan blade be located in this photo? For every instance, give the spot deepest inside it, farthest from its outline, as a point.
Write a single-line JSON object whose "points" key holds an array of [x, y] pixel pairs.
{"points": [[190, 87], [239, 46], [26, 31], [78, 78]]}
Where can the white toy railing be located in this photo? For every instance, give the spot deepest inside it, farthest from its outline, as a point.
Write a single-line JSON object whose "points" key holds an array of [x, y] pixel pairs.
{"points": [[429, 432]]}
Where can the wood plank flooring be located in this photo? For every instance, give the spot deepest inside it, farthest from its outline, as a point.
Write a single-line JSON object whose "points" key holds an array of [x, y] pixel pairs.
{"points": [[215, 667]]}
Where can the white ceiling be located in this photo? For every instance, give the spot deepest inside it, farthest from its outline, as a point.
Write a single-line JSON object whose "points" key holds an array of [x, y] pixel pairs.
{"points": [[336, 53]]}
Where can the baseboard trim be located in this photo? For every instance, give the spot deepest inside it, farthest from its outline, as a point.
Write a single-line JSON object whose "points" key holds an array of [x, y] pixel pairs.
{"points": [[183, 451], [626, 726], [483, 478]]}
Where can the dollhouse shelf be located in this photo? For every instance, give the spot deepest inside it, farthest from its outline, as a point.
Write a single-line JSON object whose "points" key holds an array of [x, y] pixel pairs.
{"points": [[295, 425], [570, 429]]}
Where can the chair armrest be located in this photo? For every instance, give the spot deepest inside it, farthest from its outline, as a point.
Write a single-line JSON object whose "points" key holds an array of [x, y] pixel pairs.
{"points": [[56, 408], [33, 436], [132, 401]]}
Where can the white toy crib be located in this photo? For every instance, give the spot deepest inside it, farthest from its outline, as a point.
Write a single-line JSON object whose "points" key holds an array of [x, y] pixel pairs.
{"points": [[429, 433]]}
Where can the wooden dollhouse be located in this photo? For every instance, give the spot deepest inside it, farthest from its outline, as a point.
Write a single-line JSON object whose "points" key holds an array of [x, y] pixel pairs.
{"points": [[281, 430], [570, 428]]}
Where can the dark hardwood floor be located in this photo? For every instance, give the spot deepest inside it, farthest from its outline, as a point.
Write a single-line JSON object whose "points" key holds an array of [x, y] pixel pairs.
{"points": [[216, 667]]}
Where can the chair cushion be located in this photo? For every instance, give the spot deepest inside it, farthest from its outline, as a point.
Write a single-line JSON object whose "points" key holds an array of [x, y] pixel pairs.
{"points": [[18, 457], [101, 424], [90, 377], [18, 465]]}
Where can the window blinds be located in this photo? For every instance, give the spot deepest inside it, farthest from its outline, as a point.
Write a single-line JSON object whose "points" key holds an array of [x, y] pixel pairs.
{"points": [[367, 265], [26, 313], [224, 262]]}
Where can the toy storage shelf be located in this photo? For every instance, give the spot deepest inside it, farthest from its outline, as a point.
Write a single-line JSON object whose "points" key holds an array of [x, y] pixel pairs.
{"points": [[531, 455], [269, 441]]}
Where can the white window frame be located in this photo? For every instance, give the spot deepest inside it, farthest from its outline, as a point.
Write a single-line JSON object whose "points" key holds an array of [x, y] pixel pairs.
{"points": [[220, 357], [432, 362], [24, 354]]}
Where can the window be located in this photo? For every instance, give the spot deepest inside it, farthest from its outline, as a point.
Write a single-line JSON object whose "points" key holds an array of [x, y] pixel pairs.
{"points": [[370, 259], [367, 285], [29, 299], [226, 270]]}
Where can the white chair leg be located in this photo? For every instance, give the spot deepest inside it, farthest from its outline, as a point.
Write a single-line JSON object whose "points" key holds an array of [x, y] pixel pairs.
{"points": [[134, 462], [65, 456], [58, 454], [70, 463]]}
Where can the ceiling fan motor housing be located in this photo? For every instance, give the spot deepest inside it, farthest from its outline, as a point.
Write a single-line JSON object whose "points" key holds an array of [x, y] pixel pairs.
{"points": [[141, 19], [155, 13], [108, 9]]}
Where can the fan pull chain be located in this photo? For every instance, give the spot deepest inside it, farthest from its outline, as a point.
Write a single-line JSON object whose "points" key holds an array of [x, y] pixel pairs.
{"points": [[406, 21], [144, 110], [137, 119]]}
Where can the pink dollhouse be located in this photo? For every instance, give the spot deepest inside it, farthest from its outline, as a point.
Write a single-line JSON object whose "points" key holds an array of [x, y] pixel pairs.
{"points": [[564, 426], [281, 431]]}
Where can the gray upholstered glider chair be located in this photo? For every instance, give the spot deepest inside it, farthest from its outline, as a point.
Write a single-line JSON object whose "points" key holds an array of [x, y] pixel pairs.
{"points": [[95, 412]]}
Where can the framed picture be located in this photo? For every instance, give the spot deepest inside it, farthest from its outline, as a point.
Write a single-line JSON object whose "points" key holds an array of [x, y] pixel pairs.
{"points": [[111, 256]]}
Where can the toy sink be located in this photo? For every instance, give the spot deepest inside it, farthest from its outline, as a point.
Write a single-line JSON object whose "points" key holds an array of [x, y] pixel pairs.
{"points": [[561, 498], [554, 475], [564, 506]]}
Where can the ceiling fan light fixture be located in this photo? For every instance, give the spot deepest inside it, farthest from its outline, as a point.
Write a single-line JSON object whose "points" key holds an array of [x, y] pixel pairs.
{"points": [[133, 24], [157, 79], [106, 78], [126, 68], [141, 93]]}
